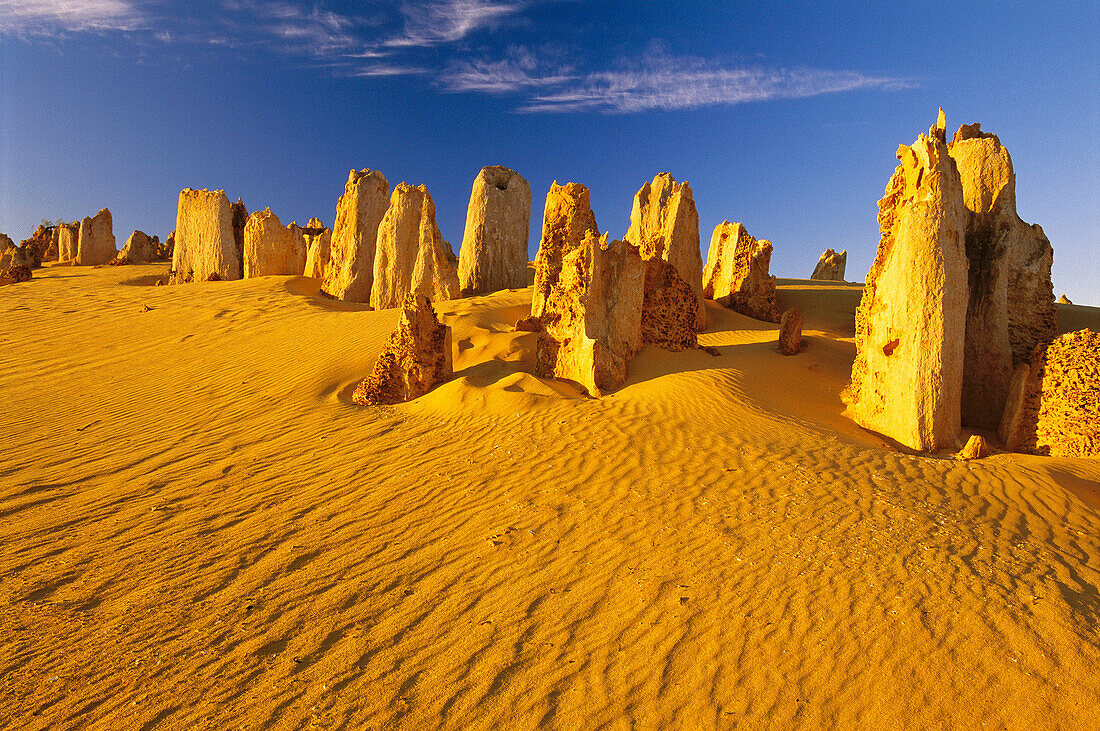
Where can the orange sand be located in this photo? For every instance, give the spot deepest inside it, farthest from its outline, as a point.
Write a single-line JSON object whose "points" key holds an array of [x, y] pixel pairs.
{"points": [[198, 529]]}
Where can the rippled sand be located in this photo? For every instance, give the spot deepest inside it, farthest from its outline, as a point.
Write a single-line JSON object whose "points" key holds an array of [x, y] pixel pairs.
{"points": [[198, 529]]}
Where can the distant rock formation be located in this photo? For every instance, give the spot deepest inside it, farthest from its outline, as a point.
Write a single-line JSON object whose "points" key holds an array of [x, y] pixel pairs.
{"points": [[349, 275], [167, 247], [790, 333], [592, 318], [665, 225], [39, 246], [205, 242], [566, 220], [7, 249], [68, 235], [669, 308], [411, 256], [1064, 300], [318, 248], [830, 267], [416, 359], [96, 240], [140, 248], [911, 321], [272, 249], [1054, 400], [736, 274], [494, 246], [1011, 302], [240, 219]]}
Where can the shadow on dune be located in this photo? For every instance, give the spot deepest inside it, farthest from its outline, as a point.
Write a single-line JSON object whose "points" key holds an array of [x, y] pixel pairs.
{"points": [[310, 288]]}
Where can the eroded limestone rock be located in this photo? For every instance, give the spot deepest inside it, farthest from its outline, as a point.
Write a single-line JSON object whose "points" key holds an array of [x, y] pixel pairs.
{"points": [[96, 240], [411, 256], [1054, 400], [68, 235], [270, 248], [790, 333], [416, 359], [1064, 300], [349, 275], [975, 448], [140, 248], [736, 274], [7, 249], [911, 320], [1011, 303], [39, 246], [566, 220], [494, 246], [318, 248], [830, 266], [669, 308], [665, 225], [592, 318], [205, 241]]}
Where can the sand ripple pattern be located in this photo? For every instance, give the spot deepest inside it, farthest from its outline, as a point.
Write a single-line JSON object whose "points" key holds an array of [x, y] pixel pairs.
{"points": [[198, 531]]}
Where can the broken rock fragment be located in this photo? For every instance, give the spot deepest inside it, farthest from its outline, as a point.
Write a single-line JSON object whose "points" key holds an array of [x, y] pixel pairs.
{"points": [[416, 359], [737, 274]]}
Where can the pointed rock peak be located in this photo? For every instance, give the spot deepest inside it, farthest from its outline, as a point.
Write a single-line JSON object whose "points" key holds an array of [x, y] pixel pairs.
{"points": [[939, 129]]}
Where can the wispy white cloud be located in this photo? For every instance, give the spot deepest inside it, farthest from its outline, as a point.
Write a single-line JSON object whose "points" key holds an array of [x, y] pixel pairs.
{"points": [[661, 82], [37, 17], [447, 21]]}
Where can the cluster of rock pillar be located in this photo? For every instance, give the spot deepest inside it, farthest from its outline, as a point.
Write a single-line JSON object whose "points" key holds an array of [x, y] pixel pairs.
{"points": [[959, 294]]}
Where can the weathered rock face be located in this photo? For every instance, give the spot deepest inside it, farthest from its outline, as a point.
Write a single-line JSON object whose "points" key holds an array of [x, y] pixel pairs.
{"points": [[566, 220], [140, 248], [665, 225], [270, 248], [1064, 300], [166, 248], [830, 266], [411, 256], [790, 333], [494, 247], [349, 275], [592, 319], [205, 242], [240, 220], [318, 248], [68, 235], [737, 275], [7, 249], [39, 244], [416, 359], [96, 240], [911, 321], [1011, 305], [1054, 399], [669, 308], [14, 274]]}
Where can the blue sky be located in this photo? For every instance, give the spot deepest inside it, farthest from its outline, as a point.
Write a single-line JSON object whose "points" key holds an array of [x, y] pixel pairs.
{"points": [[783, 116]]}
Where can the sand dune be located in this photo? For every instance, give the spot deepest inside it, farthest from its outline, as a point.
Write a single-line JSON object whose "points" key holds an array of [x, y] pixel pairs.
{"points": [[198, 529]]}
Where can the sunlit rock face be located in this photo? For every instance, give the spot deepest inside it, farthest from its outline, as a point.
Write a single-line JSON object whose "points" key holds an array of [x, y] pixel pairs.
{"points": [[737, 274], [270, 248], [567, 219], [830, 267], [318, 248], [665, 225], [494, 246], [205, 241], [1011, 302], [911, 321], [349, 275], [416, 359], [411, 255], [68, 236], [96, 240], [1053, 405], [140, 248], [592, 318]]}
